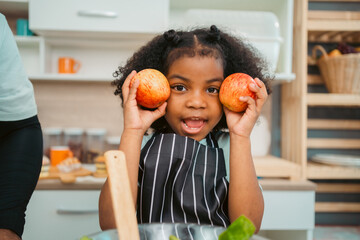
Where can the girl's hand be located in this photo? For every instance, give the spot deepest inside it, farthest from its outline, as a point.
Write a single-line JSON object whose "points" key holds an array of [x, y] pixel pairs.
{"points": [[136, 118], [242, 123]]}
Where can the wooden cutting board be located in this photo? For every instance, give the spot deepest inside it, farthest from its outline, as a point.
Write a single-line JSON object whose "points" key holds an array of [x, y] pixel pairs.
{"points": [[54, 173]]}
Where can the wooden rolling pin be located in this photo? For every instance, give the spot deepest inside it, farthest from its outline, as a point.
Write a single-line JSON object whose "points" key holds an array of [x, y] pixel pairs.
{"points": [[122, 200]]}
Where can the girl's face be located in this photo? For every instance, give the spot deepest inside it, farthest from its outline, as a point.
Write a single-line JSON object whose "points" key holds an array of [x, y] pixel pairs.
{"points": [[194, 108]]}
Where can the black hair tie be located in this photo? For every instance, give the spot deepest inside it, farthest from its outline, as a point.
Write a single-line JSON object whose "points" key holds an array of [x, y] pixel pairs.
{"points": [[172, 37], [214, 33]]}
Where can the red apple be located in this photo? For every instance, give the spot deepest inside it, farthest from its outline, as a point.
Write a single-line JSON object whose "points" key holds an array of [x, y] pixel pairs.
{"points": [[153, 90], [232, 88]]}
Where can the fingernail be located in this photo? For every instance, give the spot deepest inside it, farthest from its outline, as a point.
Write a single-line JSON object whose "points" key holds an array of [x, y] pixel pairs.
{"points": [[252, 85], [242, 98]]}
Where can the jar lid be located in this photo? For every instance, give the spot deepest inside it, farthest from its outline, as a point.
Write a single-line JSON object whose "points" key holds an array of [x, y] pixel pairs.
{"points": [[52, 131], [96, 131], [114, 140], [73, 131]]}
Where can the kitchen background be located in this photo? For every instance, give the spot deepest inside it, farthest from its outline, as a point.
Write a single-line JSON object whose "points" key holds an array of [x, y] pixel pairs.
{"points": [[85, 99]]}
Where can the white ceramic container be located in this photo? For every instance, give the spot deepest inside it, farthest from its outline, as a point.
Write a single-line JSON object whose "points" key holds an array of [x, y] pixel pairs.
{"points": [[259, 28]]}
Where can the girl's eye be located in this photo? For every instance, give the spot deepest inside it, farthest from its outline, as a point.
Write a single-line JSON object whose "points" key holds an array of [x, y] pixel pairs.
{"points": [[213, 90], [179, 88]]}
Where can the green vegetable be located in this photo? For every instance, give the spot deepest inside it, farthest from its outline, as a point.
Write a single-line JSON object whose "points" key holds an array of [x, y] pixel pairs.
{"points": [[172, 237], [85, 238], [241, 229]]}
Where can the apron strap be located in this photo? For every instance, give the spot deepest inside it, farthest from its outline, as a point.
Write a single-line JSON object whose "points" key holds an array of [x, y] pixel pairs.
{"points": [[211, 141]]}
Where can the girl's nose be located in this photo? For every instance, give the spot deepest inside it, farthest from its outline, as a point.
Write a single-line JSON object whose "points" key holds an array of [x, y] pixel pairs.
{"points": [[196, 100]]}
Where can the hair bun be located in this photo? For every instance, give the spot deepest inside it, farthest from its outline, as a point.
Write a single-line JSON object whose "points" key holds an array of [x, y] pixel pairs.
{"points": [[172, 37], [214, 33]]}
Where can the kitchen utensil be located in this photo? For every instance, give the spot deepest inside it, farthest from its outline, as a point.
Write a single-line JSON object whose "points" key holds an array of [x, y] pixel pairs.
{"points": [[123, 204]]}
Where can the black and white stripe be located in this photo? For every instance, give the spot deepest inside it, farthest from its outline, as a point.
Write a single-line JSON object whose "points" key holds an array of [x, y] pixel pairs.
{"points": [[182, 180]]}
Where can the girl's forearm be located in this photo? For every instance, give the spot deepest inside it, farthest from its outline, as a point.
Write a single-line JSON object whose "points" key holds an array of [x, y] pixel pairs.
{"points": [[106, 212], [130, 144], [245, 196]]}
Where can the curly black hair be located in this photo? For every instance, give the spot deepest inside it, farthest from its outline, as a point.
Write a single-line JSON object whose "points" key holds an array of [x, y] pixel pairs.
{"points": [[235, 54]]}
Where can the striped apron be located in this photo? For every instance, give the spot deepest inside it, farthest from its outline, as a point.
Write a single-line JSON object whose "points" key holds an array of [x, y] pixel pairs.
{"points": [[182, 181]]}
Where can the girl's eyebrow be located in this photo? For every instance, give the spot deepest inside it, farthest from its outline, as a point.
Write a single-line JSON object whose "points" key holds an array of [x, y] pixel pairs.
{"points": [[188, 80]]}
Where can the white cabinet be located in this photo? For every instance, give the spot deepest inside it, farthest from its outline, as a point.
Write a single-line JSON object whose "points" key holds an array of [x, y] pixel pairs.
{"points": [[100, 17], [62, 214], [70, 214], [108, 32]]}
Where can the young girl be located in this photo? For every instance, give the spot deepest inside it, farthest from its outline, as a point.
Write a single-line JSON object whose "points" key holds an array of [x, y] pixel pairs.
{"points": [[184, 172]]}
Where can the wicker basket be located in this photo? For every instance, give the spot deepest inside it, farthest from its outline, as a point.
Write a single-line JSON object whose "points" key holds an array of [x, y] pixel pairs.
{"points": [[341, 74]]}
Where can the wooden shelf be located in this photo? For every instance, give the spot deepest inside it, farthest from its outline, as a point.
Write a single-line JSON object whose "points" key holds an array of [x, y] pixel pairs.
{"points": [[270, 166], [337, 207], [333, 25], [333, 15], [337, 188], [333, 143], [333, 124], [334, 36], [333, 99], [322, 171], [314, 79]]}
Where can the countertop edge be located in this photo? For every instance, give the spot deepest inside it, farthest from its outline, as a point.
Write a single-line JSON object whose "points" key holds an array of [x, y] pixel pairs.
{"points": [[266, 184]]}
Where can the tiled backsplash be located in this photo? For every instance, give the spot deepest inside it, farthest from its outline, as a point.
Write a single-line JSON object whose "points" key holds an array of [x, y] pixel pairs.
{"points": [[79, 104]]}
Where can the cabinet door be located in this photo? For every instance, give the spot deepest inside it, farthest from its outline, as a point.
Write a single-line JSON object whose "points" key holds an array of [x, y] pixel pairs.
{"points": [[59, 214], [99, 16]]}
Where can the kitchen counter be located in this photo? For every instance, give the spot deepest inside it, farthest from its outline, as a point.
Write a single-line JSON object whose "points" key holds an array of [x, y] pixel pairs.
{"points": [[82, 183], [92, 183], [289, 209]]}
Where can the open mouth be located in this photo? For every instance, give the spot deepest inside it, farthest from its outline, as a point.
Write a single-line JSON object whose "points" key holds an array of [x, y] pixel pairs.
{"points": [[193, 125]]}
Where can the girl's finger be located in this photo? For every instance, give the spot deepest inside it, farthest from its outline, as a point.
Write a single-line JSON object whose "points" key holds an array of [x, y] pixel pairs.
{"points": [[160, 111], [250, 101], [259, 88], [133, 90], [261, 93], [260, 83], [126, 86]]}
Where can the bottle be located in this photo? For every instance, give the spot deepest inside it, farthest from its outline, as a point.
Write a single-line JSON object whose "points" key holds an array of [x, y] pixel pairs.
{"points": [[95, 143]]}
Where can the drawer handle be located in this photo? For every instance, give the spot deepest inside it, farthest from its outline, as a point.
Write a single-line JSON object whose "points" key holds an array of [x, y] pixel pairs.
{"points": [[95, 13], [62, 210]]}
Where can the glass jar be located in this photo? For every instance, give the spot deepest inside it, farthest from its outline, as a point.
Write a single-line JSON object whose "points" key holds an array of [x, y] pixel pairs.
{"points": [[52, 136], [95, 143], [73, 138], [112, 143]]}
